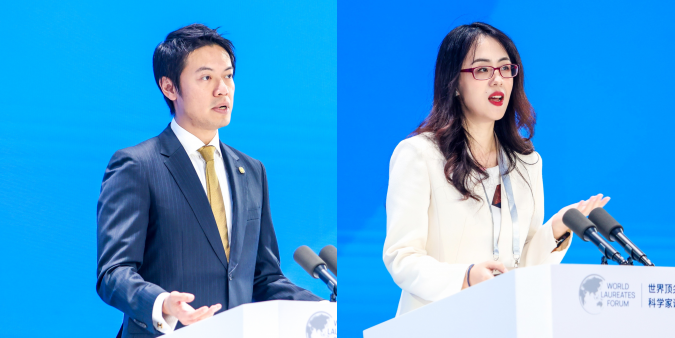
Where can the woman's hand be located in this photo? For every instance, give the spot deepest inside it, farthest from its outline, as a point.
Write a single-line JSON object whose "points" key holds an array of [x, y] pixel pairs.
{"points": [[483, 271], [559, 228]]}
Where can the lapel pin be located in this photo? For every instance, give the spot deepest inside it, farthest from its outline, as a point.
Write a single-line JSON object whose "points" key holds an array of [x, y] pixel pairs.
{"points": [[241, 170]]}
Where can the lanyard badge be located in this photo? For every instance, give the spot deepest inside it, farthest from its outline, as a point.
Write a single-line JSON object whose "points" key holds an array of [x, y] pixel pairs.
{"points": [[496, 224]]}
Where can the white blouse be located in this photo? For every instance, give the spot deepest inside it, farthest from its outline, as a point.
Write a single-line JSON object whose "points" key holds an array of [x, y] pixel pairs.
{"points": [[491, 184], [433, 234]]}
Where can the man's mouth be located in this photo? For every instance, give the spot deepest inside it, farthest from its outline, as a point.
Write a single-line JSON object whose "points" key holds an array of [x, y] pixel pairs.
{"points": [[221, 109]]}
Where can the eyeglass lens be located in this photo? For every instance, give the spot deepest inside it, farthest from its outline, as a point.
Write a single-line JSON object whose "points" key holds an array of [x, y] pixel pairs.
{"points": [[484, 73]]}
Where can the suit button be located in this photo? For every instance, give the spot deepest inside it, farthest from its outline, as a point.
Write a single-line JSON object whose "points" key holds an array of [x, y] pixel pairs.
{"points": [[230, 276]]}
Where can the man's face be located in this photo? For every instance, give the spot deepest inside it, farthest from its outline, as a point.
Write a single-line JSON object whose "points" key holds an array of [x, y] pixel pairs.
{"points": [[206, 90]]}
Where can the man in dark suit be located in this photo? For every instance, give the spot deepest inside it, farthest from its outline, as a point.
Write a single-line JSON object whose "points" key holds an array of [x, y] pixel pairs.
{"points": [[184, 225]]}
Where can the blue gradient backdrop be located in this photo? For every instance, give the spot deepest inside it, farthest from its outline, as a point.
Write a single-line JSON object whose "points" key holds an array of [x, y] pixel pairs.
{"points": [[77, 84], [598, 75]]}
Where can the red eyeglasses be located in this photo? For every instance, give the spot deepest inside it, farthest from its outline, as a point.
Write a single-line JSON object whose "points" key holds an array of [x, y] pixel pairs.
{"points": [[486, 72]]}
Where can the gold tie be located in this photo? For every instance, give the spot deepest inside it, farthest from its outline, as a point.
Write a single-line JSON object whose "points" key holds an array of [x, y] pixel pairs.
{"points": [[215, 196]]}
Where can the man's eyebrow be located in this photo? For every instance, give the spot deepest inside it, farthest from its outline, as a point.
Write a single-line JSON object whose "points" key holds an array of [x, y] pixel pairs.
{"points": [[506, 58], [211, 69]]}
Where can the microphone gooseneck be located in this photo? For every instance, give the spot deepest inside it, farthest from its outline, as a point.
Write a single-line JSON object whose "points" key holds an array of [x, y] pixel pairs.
{"points": [[587, 231], [316, 267], [613, 231]]}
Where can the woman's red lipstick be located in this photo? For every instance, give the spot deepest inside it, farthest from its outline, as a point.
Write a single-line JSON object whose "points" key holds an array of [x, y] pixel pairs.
{"points": [[496, 101]]}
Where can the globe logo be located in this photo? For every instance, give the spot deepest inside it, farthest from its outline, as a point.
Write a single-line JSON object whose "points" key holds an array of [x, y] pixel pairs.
{"points": [[321, 325], [590, 293]]}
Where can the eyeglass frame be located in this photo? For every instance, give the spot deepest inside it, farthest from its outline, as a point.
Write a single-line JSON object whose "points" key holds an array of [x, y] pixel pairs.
{"points": [[470, 70]]}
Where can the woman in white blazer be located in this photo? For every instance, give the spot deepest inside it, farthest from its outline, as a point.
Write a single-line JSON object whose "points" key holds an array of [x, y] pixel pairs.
{"points": [[452, 186]]}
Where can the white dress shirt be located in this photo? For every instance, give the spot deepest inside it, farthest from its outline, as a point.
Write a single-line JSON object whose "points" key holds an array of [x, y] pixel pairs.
{"points": [[166, 323]]}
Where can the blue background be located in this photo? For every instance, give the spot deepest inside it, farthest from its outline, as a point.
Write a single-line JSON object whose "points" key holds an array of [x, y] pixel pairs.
{"points": [[77, 84], [598, 74]]}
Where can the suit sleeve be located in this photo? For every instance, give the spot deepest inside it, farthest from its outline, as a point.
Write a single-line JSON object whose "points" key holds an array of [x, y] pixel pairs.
{"points": [[269, 282], [405, 255], [122, 217], [540, 245]]}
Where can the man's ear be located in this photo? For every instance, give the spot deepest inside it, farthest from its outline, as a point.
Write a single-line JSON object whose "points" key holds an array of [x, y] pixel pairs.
{"points": [[168, 88]]}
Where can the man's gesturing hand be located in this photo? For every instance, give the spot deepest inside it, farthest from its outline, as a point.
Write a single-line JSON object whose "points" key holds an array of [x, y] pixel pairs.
{"points": [[177, 305]]}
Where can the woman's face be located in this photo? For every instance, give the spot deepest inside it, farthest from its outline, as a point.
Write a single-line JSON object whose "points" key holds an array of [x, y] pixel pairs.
{"points": [[477, 97]]}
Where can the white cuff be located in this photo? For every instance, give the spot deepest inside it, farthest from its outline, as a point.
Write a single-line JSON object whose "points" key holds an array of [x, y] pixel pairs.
{"points": [[163, 323]]}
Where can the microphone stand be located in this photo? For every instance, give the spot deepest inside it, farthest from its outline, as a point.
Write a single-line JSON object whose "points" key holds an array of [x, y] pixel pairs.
{"points": [[604, 261], [331, 282]]}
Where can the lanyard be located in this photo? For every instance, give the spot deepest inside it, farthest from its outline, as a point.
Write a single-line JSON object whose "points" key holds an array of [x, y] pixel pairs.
{"points": [[496, 225]]}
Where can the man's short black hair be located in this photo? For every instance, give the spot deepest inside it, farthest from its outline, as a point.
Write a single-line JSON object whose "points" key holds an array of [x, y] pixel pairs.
{"points": [[170, 55]]}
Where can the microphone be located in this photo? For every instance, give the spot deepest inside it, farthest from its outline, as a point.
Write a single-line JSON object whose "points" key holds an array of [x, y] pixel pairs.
{"points": [[586, 230], [316, 267], [329, 255], [613, 231]]}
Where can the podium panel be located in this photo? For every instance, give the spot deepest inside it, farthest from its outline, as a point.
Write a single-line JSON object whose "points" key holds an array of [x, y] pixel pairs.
{"points": [[271, 319], [549, 301]]}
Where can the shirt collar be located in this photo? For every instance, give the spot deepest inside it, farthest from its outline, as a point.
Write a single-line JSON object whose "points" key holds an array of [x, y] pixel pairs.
{"points": [[192, 143]]}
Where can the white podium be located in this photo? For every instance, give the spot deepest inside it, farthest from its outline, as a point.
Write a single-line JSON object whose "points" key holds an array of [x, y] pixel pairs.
{"points": [[550, 301], [272, 319]]}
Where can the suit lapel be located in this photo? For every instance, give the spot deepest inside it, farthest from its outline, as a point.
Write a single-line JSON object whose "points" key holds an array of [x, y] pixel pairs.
{"points": [[239, 190], [186, 178]]}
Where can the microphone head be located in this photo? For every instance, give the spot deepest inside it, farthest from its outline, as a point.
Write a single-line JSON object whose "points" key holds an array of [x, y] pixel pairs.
{"points": [[329, 255], [576, 221], [604, 222], [307, 259]]}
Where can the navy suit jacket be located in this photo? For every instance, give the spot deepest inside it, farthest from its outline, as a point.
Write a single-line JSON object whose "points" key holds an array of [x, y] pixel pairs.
{"points": [[156, 233]]}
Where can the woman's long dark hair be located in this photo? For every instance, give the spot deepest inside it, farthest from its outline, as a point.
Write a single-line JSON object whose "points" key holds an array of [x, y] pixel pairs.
{"points": [[446, 120]]}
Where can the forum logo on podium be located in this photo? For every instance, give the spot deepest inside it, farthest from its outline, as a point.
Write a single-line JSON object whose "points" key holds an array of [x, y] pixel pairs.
{"points": [[596, 294], [321, 325], [590, 294]]}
